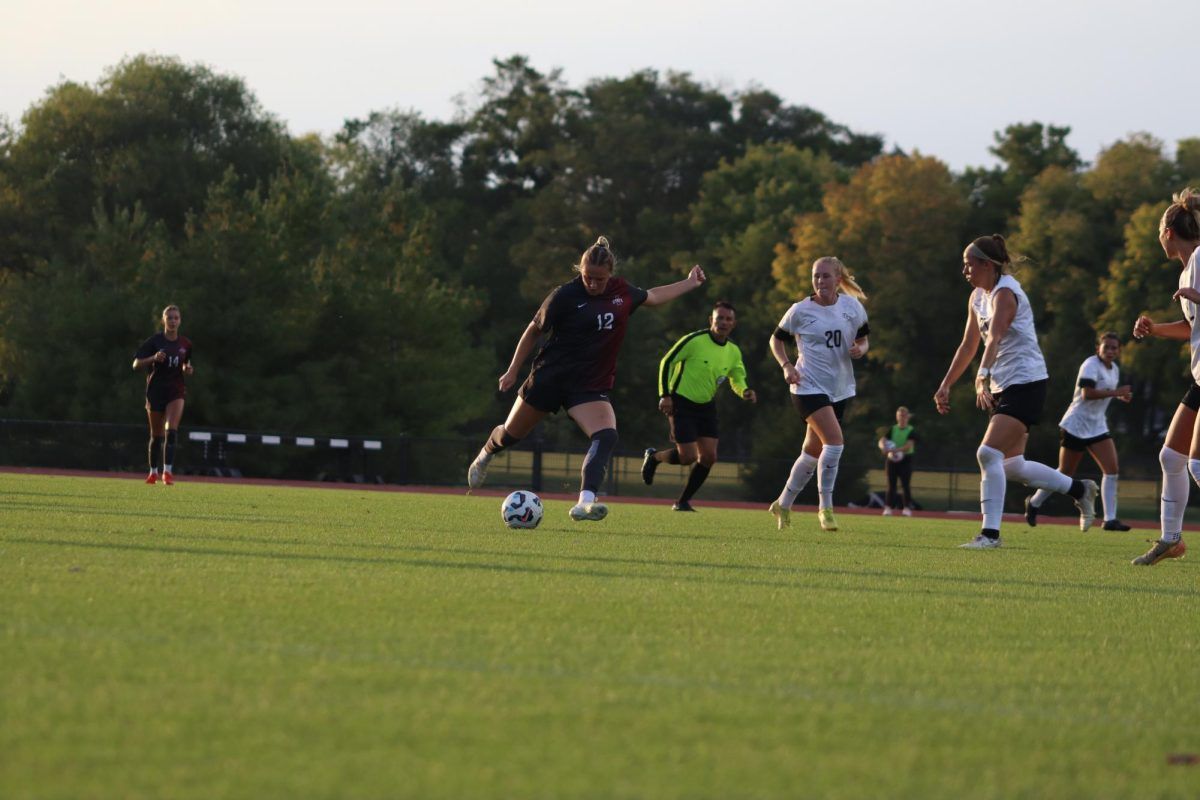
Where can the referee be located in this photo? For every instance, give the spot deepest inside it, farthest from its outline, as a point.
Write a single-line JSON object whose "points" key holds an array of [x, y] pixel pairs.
{"points": [[688, 378]]}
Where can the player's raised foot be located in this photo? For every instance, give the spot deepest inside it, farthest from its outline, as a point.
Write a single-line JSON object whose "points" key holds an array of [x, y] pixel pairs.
{"points": [[152, 478], [1087, 504], [825, 517], [783, 516], [1031, 512], [682, 505], [168, 479], [906, 511], [594, 512], [1115, 525], [1160, 550], [477, 472], [887, 511], [982, 542], [649, 465]]}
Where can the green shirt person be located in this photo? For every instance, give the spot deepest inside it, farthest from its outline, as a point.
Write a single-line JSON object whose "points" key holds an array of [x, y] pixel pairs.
{"points": [[688, 378], [898, 446]]}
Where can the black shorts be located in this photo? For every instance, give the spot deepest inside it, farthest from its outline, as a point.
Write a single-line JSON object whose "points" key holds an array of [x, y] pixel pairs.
{"points": [[549, 393], [807, 404], [1070, 441], [158, 397], [1192, 398], [1022, 401], [691, 421]]}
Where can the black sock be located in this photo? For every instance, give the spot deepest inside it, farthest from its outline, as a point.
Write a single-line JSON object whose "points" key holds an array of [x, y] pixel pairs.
{"points": [[499, 440], [1076, 490], [155, 452], [695, 480], [169, 450], [596, 461], [991, 533], [672, 456]]}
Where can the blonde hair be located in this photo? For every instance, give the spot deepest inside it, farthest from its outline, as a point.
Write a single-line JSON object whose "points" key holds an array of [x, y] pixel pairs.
{"points": [[598, 255], [846, 282], [1183, 215]]}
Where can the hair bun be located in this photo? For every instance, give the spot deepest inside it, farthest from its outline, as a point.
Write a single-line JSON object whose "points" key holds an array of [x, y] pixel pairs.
{"points": [[602, 241]]}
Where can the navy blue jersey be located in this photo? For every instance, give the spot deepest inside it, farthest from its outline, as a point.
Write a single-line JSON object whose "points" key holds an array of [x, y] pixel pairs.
{"points": [[585, 332], [168, 373]]}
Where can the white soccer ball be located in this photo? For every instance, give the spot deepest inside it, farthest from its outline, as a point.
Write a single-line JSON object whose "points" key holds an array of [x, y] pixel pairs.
{"points": [[521, 509], [888, 444]]}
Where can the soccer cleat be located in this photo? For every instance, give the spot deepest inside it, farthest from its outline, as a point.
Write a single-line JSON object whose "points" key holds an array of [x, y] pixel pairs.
{"points": [[1115, 525], [168, 479], [981, 542], [825, 517], [887, 511], [906, 511], [649, 465], [478, 470], [783, 516], [152, 478], [594, 512], [1087, 505], [1160, 550], [682, 505], [1031, 512]]}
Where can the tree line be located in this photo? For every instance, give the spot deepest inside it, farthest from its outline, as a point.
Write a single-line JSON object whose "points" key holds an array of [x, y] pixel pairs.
{"points": [[376, 281]]}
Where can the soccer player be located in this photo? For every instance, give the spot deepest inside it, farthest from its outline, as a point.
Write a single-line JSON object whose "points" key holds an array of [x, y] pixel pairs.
{"points": [[585, 320], [1010, 386], [1084, 427], [167, 357], [1179, 235], [829, 328], [688, 378]]}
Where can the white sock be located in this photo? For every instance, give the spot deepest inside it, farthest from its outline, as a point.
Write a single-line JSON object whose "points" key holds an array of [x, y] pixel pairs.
{"points": [[802, 472], [168, 468], [484, 456], [1174, 493], [1108, 496], [831, 456], [992, 484], [1039, 497], [587, 497], [1194, 468], [154, 470], [1039, 476]]}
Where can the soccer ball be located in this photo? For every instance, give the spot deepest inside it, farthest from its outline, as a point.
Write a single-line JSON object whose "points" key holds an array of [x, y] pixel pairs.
{"points": [[885, 445], [521, 509]]}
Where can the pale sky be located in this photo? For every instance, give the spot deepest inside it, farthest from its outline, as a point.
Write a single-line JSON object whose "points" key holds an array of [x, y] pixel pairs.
{"points": [[937, 76]]}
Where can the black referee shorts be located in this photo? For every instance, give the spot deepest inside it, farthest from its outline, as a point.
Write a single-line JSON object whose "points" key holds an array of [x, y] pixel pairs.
{"points": [[691, 421], [1022, 401]]}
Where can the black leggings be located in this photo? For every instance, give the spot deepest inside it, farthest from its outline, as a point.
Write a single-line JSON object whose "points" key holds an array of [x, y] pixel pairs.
{"points": [[903, 470]]}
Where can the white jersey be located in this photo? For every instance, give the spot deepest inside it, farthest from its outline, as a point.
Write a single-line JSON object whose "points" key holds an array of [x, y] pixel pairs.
{"points": [[1085, 418], [1188, 278], [1018, 357], [823, 337]]}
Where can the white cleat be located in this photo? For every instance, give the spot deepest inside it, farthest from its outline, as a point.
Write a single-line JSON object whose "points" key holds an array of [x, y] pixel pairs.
{"points": [[594, 512], [1087, 505], [783, 516], [981, 542], [478, 470]]}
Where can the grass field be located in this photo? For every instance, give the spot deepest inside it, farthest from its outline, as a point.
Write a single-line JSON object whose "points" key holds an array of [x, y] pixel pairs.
{"points": [[216, 640]]}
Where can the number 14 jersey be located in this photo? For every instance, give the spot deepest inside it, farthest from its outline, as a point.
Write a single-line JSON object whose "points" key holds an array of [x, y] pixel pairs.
{"points": [[823, 337]]}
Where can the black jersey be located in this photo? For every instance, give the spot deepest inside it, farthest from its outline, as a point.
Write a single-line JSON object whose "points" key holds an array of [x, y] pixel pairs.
{"points": [[585, 332], [169, 373]]}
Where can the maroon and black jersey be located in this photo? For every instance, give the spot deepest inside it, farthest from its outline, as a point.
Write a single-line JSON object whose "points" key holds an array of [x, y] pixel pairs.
{"points": [[169, 373], [585, 332]]}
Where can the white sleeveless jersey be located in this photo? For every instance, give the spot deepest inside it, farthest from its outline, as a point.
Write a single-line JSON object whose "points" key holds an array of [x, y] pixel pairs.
{"points": [[1085, 418], [823, 337], [1018, 358], [1188, 278]]}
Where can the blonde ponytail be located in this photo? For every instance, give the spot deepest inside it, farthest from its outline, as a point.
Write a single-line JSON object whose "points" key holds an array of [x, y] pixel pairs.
{"points": [[846, 282]]}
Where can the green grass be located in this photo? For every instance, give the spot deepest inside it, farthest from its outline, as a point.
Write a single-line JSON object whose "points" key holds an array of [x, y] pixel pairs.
{"points": [[218, 640]]}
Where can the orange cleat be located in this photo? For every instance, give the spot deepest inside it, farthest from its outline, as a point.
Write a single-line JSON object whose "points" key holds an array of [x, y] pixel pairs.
{"points": [[152, 478], [168, 479], [1178, 550]]}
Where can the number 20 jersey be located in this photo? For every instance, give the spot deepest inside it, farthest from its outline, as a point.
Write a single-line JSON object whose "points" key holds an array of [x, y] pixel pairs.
{"points": [[823, 337], [585, 332]]}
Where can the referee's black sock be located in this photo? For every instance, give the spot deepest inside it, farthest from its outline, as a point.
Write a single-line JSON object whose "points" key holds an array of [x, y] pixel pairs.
{"points": [[695, 480], [1076, 490], [499, 440], [672, 456], [594, 464], [155, 452]]}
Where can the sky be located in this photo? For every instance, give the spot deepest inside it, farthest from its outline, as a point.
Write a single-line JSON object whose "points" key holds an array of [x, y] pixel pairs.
{"points": [[938, 77]]}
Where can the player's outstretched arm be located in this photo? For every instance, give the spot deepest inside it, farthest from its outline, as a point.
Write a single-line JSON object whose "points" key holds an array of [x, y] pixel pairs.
{"points": [[525, 345], [665, 294], [958, 364], [1179, 330]]}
